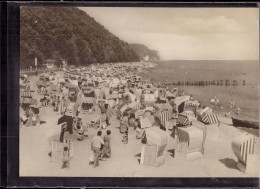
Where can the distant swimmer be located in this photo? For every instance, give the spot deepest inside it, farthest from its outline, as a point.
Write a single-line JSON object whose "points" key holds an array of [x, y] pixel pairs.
{"points": [[214, 100]]}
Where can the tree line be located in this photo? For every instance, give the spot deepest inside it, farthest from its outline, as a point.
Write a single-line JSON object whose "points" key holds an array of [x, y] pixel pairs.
{"points": [[68, 33]]}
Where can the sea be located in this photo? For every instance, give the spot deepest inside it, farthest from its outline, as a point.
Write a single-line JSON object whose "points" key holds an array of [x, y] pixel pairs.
{"points": [[245, 96]]}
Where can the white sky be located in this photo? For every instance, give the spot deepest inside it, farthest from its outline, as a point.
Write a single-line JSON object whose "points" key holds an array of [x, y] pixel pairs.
{"points": [[186, 33]]}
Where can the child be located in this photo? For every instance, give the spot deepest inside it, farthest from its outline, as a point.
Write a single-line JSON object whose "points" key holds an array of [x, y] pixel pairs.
{"points": [[65, 158], [106, 150]]}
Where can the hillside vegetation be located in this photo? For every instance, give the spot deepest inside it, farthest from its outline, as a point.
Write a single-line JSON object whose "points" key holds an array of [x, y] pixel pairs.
{"points": [[68, 33], [144, 53]]}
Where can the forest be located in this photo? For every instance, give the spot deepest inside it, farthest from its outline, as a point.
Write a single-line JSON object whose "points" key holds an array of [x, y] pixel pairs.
{"points": [[67, 33]]}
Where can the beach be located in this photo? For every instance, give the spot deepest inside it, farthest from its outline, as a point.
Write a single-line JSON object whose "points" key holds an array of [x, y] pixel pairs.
{"points": [[217, 161]]}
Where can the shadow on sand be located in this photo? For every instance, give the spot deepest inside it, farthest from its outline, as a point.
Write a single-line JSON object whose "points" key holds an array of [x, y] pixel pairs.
{"points": [[229, 163], [138, 157]]}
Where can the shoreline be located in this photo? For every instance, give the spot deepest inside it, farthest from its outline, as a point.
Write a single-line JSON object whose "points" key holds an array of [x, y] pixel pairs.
{"points": [[197, 92]]}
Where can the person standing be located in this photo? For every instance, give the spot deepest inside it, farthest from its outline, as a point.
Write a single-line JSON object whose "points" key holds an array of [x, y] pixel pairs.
{"points": [[174, 119], [96, 145], [106, 150]]}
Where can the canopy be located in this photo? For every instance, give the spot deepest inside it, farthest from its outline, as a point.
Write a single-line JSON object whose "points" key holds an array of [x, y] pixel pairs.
{"points": [[206, 110], [156, 136], [180, 99]]}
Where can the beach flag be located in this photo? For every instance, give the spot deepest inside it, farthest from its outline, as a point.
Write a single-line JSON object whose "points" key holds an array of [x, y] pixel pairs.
{"points": [[183, 120]]}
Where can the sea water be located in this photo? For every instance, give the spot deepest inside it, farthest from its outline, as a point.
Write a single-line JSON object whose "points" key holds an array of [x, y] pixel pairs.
{"points": [[245, 96]]}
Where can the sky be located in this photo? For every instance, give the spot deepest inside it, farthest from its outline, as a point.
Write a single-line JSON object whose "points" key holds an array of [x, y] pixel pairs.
{"points": [[186, 33]]}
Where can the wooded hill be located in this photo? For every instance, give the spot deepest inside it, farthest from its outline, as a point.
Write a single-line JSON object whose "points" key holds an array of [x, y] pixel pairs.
{"points": [[144, 53], [68, 33]]}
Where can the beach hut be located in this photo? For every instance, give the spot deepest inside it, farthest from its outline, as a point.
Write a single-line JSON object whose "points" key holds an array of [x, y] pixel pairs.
{"points": [[152, 151]]}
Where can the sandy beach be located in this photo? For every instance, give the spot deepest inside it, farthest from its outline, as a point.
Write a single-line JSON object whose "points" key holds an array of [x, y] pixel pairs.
{"points": [[217, 161]]}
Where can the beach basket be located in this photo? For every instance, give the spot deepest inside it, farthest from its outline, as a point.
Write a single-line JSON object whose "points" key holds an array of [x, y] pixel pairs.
{"points": [[57, 150], [165, 116], [245, 147], [190, 142], [183, 120], [208, 118]]}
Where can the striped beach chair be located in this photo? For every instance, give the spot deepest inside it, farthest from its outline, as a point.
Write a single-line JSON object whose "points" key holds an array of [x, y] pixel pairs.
{"points": [[165, 116], [24, 100], [245, 147], [183, 120], [87, 100], [209, 118], [26, 93]]}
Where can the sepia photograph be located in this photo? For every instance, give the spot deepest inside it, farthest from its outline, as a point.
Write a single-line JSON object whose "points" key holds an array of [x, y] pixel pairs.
{"points": [[139, 92]]}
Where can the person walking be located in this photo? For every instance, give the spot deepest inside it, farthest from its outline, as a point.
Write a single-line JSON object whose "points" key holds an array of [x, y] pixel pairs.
{"points": [[96, 145]]}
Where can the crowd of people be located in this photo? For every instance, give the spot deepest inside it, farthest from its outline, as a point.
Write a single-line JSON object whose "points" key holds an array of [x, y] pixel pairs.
{"points": [[112, 90]]}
